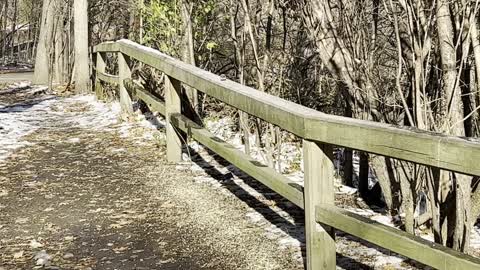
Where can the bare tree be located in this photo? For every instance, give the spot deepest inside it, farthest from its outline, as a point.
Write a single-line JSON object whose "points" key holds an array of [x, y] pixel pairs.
{"points": [[82, 76], [42, 59]]}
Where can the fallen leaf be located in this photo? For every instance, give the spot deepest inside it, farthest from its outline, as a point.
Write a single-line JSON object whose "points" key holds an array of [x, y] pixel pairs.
{"points": [[116, 226], [34, 244], [68, 256], [18, 255], [119, 249], [21, 220], [69, 238]]}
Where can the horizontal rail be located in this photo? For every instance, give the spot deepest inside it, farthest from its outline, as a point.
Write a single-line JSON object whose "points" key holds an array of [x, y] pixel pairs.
{"points": [[154, 103], [264, 174], [109, 46], [416, 248], [410, 144], [107, 78]]}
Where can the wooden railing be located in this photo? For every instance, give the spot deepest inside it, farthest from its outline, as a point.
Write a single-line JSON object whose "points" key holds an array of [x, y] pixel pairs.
{"points": [[319, 132]]}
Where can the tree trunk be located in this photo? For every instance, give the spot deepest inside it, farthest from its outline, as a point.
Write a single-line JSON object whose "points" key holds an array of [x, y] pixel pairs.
{"points": [[14, 31], [188, 50], [459, 228], [59, 50], [141, 4], [81, 76], [41, 74], [5, 23], [239, 44]]}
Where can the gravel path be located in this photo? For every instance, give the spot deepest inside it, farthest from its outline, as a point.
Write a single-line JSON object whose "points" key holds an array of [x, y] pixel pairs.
{"points": [[83, 195]]}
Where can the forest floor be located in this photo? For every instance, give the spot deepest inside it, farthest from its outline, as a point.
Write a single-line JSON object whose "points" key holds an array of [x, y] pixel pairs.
{"points": [[82, 188]]}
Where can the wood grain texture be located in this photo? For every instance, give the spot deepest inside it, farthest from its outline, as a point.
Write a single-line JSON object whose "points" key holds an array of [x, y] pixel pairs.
{"points": [[124, 72], [319, 189], [109, 46], [100, 70], [173, 90]]}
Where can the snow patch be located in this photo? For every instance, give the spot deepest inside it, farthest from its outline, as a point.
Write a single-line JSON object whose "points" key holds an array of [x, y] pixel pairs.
{"points": [[44, 111]]}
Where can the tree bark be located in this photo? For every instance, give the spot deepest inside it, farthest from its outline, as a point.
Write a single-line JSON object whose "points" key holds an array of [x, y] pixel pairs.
{"points": [[188, 50], [59, 50], [5, 23], [81, 76], [14, 30], [459, 228], [41, 74]]}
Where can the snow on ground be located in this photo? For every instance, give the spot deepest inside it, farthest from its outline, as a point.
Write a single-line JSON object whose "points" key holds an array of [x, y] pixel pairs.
{"points": [[44, 111]]}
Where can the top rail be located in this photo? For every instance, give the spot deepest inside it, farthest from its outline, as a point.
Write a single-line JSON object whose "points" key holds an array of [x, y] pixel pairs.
{"points": [[409, 144], [109, 46]]}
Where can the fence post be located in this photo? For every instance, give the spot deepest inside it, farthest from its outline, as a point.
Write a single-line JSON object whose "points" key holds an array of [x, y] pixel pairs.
{"points": [[100, 68], [319, 189], [124, 72], [173, 94]]}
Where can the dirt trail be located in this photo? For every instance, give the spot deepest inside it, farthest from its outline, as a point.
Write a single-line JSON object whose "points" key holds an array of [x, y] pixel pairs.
{"points": [[83, 197]]}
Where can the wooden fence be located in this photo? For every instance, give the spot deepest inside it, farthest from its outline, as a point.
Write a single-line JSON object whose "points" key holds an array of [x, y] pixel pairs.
{"points": [[319, 132]]}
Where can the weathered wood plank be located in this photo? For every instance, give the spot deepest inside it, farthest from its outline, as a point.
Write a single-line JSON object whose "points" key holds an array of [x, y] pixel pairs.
{"points": [[173, 105], [110, 46], [154, 103], [405, 244], [124, 72], [319, 189], [107, 77], [100, 69], [269, 177], [456, 154]]}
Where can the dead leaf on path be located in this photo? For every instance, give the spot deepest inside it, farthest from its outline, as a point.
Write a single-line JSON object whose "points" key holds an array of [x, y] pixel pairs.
{"points": [[120, 249], [167, 205], [18, 255], [21, 220], [69, 238], [35, 244], [125, 222], [68, 256], [95, 211], [115, 226]]}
